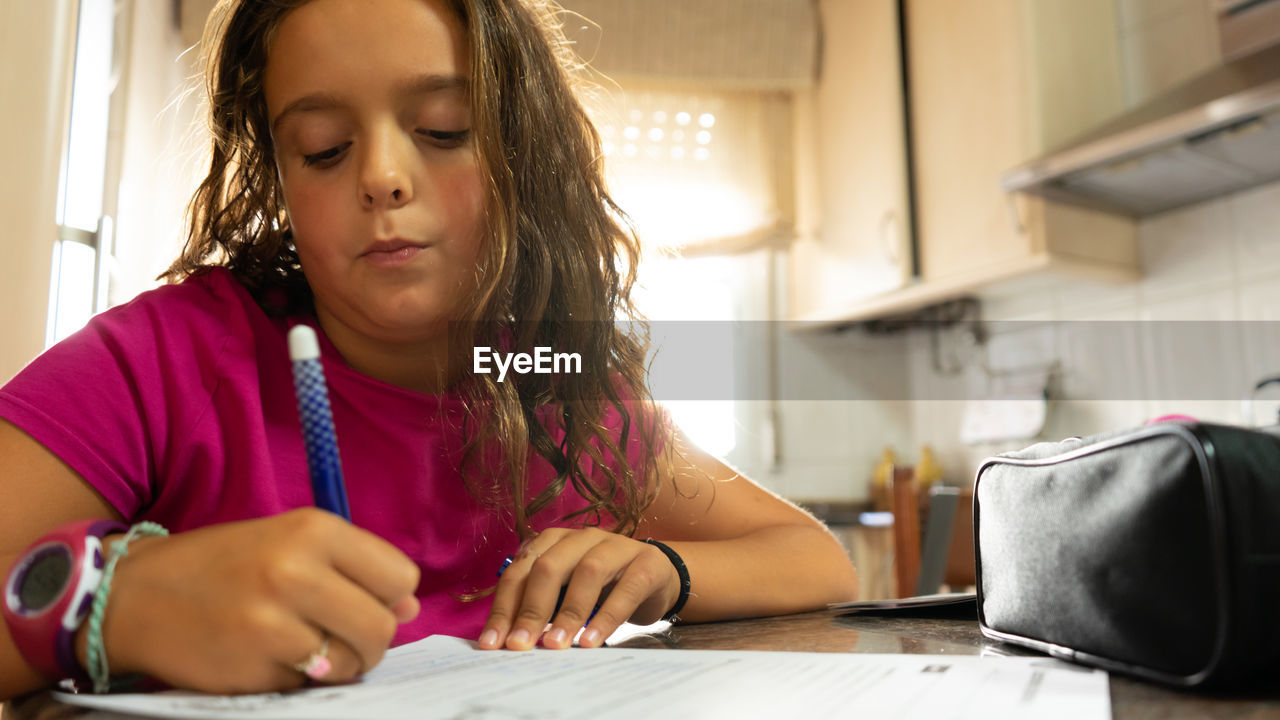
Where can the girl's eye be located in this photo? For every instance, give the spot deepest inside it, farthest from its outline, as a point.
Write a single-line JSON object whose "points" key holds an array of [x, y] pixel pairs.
{"points": [[324, 155], [446, 139]]}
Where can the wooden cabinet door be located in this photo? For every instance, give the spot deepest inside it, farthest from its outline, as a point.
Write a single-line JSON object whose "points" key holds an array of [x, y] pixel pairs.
{"points": [[852, 141], [993, 84], [970, 104]]}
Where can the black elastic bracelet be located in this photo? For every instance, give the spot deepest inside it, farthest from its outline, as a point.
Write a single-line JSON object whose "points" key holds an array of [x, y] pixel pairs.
{"points": [[681, 571]]}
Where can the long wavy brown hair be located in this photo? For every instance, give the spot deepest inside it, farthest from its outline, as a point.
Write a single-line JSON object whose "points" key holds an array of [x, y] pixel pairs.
{"points": [[556, 269]]}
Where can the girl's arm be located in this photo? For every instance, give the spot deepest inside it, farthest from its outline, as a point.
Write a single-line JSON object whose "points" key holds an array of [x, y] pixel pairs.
{"points": [[39, 493], [227, 608], [748, 553]]}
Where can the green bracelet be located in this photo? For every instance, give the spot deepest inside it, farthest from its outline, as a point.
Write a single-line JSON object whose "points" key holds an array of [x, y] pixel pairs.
{"points": [[95, 652]]}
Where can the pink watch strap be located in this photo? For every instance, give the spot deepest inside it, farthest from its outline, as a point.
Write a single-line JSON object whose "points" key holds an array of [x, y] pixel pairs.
{"points": [[45, 635]]}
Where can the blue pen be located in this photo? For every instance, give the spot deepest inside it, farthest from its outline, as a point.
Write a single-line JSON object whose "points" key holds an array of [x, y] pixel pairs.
{"points": [[317, 422]]}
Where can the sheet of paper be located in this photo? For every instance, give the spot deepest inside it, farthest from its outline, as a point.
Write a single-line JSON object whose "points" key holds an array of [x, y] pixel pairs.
{"points": [[442, 677]]}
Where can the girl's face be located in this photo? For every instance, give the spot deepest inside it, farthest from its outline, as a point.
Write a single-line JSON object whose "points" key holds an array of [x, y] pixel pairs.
{"points": [[371, 120]]}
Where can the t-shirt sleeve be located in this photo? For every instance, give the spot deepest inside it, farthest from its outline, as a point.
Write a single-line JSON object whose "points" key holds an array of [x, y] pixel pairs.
{"points": [[102, 400]]}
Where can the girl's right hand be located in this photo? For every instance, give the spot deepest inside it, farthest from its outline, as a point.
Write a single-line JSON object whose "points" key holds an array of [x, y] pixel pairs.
{"points": [[233, 608]]}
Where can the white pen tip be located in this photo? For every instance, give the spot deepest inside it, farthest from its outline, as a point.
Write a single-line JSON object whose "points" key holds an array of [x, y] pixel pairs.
{"points": [[303, 344]]}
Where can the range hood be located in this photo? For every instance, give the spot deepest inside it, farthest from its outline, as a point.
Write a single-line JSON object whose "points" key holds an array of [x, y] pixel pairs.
{"points": [[1216, 134]]}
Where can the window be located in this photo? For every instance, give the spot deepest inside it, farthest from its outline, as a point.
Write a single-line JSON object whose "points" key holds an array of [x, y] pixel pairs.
{"points": [[82, 253], [708, 173], [690, 303], [696, 169]]}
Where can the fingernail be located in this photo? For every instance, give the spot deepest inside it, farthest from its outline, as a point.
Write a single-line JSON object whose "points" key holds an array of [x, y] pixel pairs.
{"points": [[519, 638], [590, 638], [556, 638], [489, 638]]}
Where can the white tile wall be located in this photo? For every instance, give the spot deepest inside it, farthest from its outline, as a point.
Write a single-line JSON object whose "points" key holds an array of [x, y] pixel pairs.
{"points": [[1257, 215], [843, 400], [1187, 250], [1260, 304], [1098, 301], [1204, 358], [1101, 359], [1213, 266]]}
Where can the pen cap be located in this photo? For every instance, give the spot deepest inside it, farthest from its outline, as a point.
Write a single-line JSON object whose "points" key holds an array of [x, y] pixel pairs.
{"points": [[303, 344]]}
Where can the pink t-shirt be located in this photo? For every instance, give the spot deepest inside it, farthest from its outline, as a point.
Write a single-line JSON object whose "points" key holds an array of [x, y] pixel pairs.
{"points": [[178, 407]]}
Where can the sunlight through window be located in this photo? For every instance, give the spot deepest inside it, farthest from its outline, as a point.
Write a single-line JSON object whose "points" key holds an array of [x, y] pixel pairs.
{"points": [[78, 283]]}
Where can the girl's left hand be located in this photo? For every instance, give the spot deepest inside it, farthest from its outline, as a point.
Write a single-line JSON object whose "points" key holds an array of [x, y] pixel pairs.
{"points": [[630, 580]]}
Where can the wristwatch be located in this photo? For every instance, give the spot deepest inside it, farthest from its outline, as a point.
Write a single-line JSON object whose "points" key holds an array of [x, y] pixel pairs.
{"points": [[49, 591]]}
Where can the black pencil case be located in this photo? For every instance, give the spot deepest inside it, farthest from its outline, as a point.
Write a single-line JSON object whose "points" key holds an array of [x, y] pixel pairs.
{"points": [[1153, 552]]}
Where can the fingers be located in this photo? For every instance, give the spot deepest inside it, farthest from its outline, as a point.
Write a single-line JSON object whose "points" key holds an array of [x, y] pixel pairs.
{"points": [[604, 580], [297, 582], [530, 587], [349, 614], [407, 609], [640, 593], [325, 658], [285, 645], [588, 589], [368, 560], [358, 603]]}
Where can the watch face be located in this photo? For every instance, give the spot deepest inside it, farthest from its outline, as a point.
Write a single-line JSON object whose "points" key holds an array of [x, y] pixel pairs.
{"points": [[45, 579]]}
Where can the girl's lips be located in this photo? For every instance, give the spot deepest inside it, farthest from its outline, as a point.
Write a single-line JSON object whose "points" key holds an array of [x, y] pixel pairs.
{"points": [[393, 258]]}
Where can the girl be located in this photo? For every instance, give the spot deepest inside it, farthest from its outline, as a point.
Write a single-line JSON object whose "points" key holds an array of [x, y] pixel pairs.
{"points": [[415, 179]]}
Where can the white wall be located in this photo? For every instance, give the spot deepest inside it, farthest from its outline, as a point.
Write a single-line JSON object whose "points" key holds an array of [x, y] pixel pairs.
{"points": [[840, 402], [163, 150], [36, 46]]}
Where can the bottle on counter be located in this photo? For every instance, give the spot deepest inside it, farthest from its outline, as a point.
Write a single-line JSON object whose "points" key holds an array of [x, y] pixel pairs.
{"points": [[881, 482], [928, 472]]}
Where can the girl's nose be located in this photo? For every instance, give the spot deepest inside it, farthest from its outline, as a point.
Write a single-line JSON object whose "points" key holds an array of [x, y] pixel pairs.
{"points": [[385, 181]]}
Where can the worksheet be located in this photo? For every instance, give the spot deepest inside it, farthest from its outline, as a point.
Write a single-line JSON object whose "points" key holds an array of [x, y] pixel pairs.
{"points": [[448, 678]]}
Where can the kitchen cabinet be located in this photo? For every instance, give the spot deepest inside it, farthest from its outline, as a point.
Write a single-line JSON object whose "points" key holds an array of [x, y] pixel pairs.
{"points": [[852, 213], [993, 83], [990, 84]]}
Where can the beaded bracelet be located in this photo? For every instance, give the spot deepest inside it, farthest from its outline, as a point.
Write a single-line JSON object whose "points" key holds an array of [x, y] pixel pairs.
{"points": [[96, 652], [681, 571]]}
